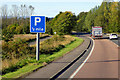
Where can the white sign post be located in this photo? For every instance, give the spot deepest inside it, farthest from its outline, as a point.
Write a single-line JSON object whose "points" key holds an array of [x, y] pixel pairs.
{"points": [[37, 46], [37, 25]]}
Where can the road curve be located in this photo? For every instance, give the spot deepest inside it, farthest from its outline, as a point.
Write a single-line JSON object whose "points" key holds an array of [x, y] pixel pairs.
{"points": [[103, 63], [56, 66]]}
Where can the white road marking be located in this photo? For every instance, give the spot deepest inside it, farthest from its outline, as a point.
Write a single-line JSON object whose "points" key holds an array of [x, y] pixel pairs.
{"points": [[72, 76]]}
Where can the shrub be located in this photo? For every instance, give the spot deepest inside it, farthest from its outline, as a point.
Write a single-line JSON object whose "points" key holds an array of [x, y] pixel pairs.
{"points": [[54, 44], [15, 49]]}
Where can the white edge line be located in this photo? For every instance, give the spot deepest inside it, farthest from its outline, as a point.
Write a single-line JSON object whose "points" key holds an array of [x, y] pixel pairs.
{"points": [[83, 62]]}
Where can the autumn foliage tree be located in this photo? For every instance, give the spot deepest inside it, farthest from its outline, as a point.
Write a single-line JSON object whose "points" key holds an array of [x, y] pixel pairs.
{"points": [[63, 23], [106, 15], [80, 22]]}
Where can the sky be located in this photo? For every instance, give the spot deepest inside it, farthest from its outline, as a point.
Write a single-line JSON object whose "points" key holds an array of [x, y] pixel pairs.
{"points": [[50, 8]]}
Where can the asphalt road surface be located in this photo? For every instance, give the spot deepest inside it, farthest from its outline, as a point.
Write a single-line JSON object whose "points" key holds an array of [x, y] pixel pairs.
{"points": [[116, 41], [102, 63]]}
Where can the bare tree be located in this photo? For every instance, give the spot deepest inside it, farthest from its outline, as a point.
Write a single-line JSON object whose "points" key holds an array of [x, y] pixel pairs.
{"points": [[14, 13], [23, 11], [4, 13], [31, 8], [15, 10], [18, 14]]}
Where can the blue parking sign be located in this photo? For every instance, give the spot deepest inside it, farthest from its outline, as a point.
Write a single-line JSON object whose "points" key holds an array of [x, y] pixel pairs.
{"points": [[37, 24]]}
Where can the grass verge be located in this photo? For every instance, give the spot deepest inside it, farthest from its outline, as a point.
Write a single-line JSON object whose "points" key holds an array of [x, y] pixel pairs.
{"points": [[30, 67]]}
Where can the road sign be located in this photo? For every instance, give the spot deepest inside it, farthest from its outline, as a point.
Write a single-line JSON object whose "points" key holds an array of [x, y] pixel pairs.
{"points": [[37, 24]]}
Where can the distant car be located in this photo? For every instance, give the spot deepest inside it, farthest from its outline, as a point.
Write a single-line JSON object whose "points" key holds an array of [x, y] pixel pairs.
{"points": [[113, 36]]}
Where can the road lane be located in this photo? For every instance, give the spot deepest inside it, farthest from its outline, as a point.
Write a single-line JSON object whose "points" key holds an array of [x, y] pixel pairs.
{"points": [[117, 41], [103, 62]]}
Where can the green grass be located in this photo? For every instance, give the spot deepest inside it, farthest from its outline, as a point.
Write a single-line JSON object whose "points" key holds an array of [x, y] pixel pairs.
{"points": [[68, 48], [22, 71], [47, 59]]}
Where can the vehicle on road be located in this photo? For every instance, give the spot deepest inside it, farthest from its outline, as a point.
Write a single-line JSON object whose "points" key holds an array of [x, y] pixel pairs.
{"points": [[97, 32], [113, 36]]}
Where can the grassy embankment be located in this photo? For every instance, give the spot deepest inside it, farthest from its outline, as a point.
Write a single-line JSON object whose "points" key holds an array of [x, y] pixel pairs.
{"points": [[63, 47]]}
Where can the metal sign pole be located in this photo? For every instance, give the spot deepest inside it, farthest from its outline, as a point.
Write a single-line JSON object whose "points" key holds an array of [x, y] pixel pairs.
{"points": [[37, 47], [37, 25]]}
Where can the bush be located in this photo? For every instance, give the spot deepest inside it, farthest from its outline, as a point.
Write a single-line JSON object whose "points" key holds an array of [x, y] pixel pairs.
{"points": [[54, 44], [15, 49], [7, 35]]}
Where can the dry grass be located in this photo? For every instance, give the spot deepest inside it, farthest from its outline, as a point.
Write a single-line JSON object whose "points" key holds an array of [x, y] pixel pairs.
{"points": [[55, 44], [7, 63], [1, 41], [28, 36], [66, 40], [25, 36]]}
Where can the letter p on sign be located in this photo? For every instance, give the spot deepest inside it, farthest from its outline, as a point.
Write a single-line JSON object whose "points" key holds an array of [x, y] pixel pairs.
{"points": [[37, 20]]}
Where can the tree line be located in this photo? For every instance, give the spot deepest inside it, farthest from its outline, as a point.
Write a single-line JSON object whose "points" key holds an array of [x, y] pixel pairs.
{"points": [[16, 14], [106, 15], [16, 20]]}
